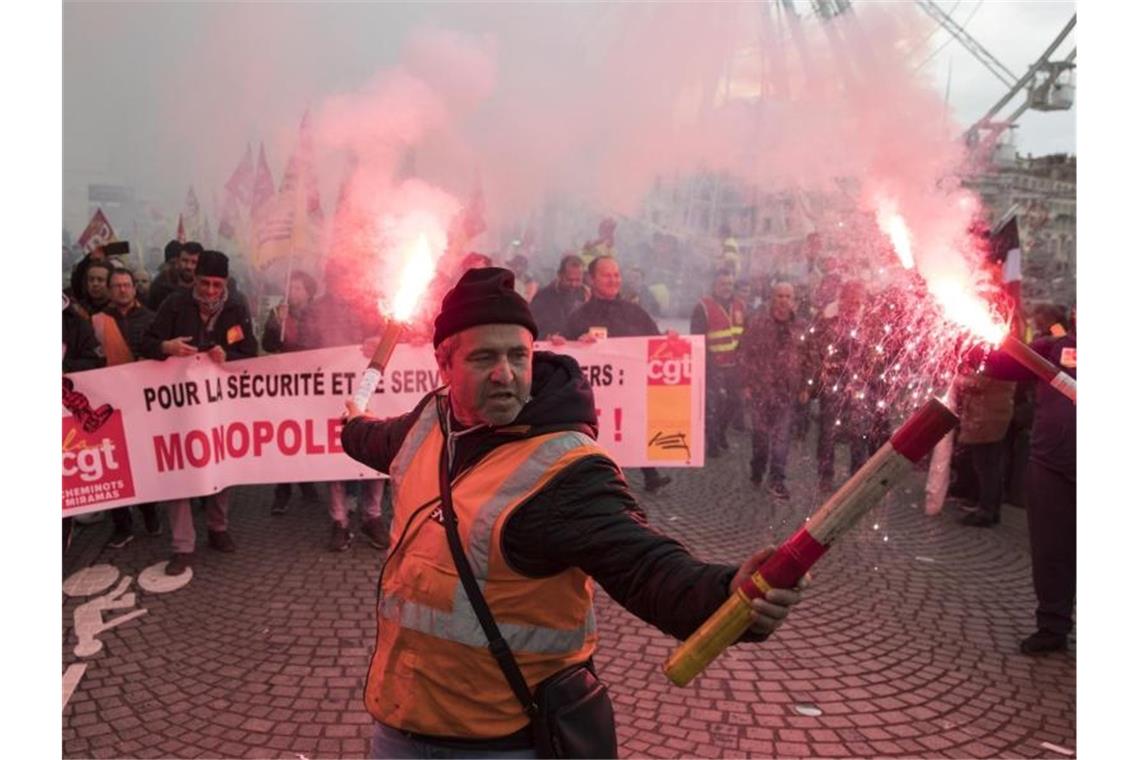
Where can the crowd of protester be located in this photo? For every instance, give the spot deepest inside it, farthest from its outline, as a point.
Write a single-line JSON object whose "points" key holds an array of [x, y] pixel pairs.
{"points": [[808, 351]]}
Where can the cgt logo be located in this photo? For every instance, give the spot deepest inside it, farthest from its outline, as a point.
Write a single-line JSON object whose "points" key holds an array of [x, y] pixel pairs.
{"points": [[670, 362], [96, 467]]}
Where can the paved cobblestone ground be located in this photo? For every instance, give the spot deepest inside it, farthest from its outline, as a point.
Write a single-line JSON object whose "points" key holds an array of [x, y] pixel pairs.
{"points": [[906, 644]]}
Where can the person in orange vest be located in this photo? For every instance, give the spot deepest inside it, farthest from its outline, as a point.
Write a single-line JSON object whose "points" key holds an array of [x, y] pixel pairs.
{"points": [[540, 511], [720, 318], [120, 328]]}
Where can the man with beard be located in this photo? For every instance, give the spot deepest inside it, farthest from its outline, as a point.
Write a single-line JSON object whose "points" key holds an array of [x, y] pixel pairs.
{"points": [[209, 318], [179, 277], [94, 296], [502, 467], [552, 304]]}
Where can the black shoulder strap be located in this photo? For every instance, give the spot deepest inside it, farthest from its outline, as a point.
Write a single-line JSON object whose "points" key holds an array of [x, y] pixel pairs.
{"points": [[498, 645]]}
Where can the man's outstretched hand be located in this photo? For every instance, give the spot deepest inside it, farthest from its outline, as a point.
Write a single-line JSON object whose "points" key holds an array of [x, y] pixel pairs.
{"points": [[770, 610]]}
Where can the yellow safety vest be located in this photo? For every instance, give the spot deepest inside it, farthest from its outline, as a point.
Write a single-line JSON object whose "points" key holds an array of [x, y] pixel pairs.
{"points": [[431, 671], [724, 330]]}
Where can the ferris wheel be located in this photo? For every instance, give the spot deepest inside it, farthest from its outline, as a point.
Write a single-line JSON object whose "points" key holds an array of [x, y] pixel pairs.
{"points": [[1048, 85]]}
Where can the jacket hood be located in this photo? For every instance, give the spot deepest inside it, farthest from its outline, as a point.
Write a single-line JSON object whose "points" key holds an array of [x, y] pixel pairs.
{"points": [[560, 395]]}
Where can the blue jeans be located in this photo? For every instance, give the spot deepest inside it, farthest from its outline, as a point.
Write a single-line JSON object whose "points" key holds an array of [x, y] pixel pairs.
{"points": [[771, 438], [387, 742]]}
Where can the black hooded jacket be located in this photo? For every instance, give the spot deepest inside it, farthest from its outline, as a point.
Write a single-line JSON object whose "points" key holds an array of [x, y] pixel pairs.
{"points": [[586, 517]]}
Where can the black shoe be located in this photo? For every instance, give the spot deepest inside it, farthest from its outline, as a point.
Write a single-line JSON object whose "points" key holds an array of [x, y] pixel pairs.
{"points": [[373, 530], [1043, 642], [978, 520], [119, 540], [339, 538], [221, 541], [779, 491], [658, 483], [151, 522], [723, 442], [280, 504], [178, 564]]}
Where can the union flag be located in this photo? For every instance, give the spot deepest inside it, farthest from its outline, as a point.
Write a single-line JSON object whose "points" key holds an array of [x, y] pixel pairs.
{"points": [[97, 233]]}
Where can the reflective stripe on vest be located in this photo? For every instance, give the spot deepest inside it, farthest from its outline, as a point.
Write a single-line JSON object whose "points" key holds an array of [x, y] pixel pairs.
{"points": [[461, 624], [722, 336]]}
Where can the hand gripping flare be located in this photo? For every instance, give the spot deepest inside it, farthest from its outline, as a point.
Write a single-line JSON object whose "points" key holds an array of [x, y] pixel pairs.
{"points": [[786, 566], [370, 377]]}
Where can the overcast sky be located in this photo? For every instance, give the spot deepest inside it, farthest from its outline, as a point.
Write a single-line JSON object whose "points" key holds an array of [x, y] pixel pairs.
{"points": [[159, 96]]}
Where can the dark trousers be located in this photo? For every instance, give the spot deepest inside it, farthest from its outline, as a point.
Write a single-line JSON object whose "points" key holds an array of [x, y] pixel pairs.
{"points": [[830, 410], [281, 491], [1052, 513], [988, 461], [121, 517], [771, 438], [722, 403]]}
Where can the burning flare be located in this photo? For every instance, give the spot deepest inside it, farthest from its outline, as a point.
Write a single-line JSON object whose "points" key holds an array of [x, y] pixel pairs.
{"points": [[967, 310], [894, 226], [960, 303], [415, 276]]}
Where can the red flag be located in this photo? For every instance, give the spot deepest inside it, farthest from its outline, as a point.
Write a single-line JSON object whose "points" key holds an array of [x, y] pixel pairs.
{"points": [[240, 184], [262, 185], [97, 233], [181, 234], [239, 193]]}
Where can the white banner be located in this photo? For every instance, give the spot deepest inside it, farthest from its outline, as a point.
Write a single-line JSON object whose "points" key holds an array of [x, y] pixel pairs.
{"points": [[154, 431]]}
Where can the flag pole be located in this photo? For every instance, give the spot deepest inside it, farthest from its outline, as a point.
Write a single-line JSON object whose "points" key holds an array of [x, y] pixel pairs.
{"points": [[285, 298], [299, 210]]}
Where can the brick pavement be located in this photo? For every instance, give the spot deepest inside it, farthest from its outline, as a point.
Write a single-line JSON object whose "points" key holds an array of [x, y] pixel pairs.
{"points": [[906, 644]]}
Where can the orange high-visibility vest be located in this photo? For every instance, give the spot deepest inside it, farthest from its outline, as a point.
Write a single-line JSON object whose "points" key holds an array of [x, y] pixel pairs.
{"points": [[724, 330], [115, 347], [431, 671]]}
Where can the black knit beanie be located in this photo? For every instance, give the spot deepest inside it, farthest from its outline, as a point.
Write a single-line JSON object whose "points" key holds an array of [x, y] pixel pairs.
{"points": [[212, 264], [482, 297]]}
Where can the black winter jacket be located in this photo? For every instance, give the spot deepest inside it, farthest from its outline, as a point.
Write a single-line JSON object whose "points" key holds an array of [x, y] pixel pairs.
{"points": [[585, 518], [178, 317], [133, 325], [621, 318], [552, 305], [80, 347]]}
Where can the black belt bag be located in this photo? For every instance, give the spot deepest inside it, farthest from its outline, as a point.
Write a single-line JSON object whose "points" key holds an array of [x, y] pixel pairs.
{"points": [[570, 712], [574, 716]]}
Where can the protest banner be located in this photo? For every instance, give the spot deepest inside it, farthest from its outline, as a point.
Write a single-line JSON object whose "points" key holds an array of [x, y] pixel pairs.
{"points": [[159, 430]]}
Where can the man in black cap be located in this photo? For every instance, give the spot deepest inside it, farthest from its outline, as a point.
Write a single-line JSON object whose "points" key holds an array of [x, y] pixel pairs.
{"points": [[208, 318], [538, 508]]}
